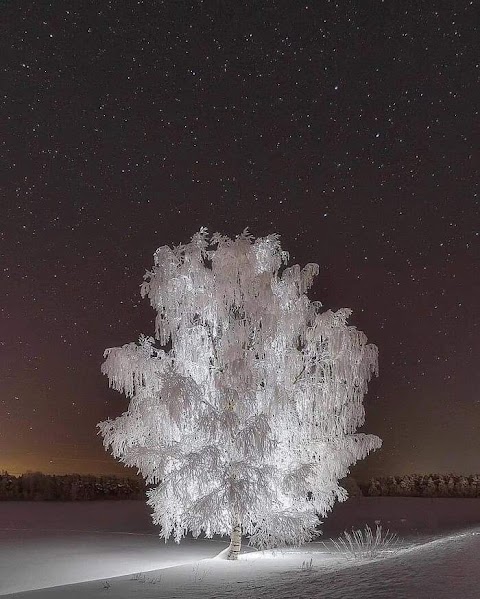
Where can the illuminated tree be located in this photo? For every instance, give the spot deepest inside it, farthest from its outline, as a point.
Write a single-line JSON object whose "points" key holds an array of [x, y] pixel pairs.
{"points": [[244, 406]]}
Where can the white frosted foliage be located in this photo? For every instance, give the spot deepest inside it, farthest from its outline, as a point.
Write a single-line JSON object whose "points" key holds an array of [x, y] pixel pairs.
{"points": [[244, 407]]}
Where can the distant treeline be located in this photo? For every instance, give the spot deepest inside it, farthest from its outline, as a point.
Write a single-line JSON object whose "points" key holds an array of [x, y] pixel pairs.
{"points": [[36, 486], [423, 485]]}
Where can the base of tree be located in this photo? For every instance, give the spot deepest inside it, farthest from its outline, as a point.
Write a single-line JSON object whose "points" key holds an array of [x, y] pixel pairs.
{"points": [[224, 554], [233, 550], [235, 542]]}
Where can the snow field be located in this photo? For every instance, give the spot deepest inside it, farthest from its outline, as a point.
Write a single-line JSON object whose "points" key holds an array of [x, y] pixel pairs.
{"points": [[38, 561]]}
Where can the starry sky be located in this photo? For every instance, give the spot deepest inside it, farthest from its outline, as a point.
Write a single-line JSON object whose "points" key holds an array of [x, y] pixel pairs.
{"points": [[350, 128]]}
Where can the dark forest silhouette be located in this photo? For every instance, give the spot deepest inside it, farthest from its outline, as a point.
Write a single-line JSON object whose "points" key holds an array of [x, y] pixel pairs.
{"points": [[36, 486], [423, 485]]}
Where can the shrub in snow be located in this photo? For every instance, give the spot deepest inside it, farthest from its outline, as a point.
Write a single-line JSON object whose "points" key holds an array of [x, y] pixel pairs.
{"points": [[364, 544], [244, 406]]}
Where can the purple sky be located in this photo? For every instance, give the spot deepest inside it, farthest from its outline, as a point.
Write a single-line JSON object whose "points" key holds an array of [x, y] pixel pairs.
{"points": [[350, 128]]}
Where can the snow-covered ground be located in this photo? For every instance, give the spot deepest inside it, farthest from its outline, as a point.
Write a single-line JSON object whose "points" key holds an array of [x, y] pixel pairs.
{"points": [[111, 549]]}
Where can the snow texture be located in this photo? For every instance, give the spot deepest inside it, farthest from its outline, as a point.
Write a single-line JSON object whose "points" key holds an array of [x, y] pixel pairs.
{"points": [[243, 409], [122, 565]]}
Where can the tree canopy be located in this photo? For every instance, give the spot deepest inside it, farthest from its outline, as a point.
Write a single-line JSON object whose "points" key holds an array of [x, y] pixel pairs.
{"points": [[244, 406]]}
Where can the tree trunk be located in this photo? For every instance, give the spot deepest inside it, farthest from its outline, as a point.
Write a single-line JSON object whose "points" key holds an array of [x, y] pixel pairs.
{"points": [[235, 541]]}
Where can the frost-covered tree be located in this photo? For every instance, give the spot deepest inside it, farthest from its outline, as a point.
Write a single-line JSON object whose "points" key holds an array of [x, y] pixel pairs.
{"points": [[244, 406]]}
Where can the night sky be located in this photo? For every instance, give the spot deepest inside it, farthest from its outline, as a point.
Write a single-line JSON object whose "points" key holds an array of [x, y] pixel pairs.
{"points": [[349, 128]]}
